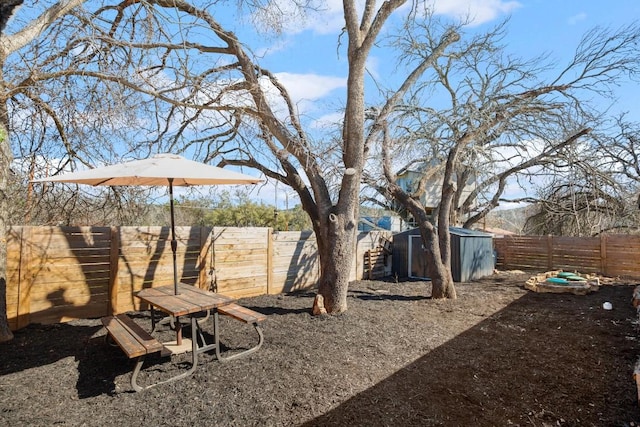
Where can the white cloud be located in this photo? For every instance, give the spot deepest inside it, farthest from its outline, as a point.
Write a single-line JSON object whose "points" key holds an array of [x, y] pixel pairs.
{"points": [[477, 11], [573, 20], [304, 90], [372, 66], [329, 19], [278, 46], [310, 86], [328, 121]]}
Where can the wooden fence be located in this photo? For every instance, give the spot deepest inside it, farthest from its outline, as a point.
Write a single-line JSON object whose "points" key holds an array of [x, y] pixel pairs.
{"points": [[614, 255], [56, 274]]}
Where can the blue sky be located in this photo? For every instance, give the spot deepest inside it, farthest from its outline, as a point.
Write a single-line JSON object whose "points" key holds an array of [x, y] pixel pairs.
{"points": [[307, 60]]}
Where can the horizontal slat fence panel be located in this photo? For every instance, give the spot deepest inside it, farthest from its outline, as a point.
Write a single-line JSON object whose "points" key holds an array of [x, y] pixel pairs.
{"points": [[238, 260], [57, 274], [622, 255], [609, 255], [294, 261], [63, 273], [145, 260]]}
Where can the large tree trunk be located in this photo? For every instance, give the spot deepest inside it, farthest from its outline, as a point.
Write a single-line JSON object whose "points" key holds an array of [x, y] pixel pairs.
{"points": [[439, 270], [336, 252], [5, 162]]}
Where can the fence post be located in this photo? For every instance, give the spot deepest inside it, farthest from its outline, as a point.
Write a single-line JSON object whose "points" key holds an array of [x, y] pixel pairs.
{"points": [[500, 246], [26, 279], [114, 259], [270, 237], [603, 254], [202, 258], [549, 252]]}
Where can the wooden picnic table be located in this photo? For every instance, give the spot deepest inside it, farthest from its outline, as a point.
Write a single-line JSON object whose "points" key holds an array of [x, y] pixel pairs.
{"points": [[189, 301]]}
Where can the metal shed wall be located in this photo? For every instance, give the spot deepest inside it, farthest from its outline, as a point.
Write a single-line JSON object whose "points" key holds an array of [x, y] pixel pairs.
{"points": [[400, 255], [471, 253]]}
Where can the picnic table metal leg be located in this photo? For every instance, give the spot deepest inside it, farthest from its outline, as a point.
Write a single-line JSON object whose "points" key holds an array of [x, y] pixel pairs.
{"points": [[169, 319], [134, 375], [216, 337], [204, 319], [194, 363]]}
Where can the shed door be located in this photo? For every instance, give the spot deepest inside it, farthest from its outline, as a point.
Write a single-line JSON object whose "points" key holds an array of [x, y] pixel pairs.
{"points": [[417, 258]]}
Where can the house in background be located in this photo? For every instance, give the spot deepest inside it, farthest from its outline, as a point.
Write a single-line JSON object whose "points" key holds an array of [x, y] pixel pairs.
{"points": [[408, 179], [390, 222]]}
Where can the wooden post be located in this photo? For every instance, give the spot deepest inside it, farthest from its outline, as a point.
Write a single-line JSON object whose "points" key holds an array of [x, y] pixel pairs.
{"points": [[550, 252], [270, 238], [25, 278], [503, 245], [114, 259], [202, 258], [603, 254]]}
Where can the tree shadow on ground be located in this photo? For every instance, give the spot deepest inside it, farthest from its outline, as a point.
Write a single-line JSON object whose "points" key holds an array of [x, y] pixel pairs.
{"points": [[495, 371], [363, 295], [278, 311], [99, 364], [33, 346]]}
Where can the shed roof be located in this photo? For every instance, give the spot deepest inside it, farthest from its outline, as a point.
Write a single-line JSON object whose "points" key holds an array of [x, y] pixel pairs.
{"points": [[459, 231]]}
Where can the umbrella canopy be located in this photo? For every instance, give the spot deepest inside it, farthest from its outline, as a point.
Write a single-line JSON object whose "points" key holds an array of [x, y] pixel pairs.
{"points": [[163, 169]]}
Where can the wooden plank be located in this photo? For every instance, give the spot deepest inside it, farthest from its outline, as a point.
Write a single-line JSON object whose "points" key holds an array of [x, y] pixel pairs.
{"points": [[246, 293], [204, 255], [172, 303], [150, 344], [69, 275], [75, 295], [121, 335], [617, 256], [225, 284], [241, 313]]}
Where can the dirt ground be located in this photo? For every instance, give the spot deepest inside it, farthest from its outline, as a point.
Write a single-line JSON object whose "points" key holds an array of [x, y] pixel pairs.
{"points": [[499, 355]]}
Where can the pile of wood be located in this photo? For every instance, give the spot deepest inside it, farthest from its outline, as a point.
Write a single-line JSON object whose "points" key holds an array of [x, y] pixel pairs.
{"points": [[377, 260], [541, 283]]}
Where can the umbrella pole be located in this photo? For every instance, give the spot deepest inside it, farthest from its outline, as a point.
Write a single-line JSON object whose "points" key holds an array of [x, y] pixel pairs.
{"points": [[174, 242], [174, 248]]}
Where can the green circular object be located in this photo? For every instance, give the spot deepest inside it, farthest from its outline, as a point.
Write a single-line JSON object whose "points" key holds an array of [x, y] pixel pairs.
{"points": [[557, 281], [564, 274]]}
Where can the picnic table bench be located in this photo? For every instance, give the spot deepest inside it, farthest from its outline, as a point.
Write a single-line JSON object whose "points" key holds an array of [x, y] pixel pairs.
{"points": [[245, 315], [135, 342]]}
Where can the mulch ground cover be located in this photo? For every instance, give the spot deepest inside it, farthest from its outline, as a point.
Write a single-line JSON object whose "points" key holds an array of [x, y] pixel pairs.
{"points": [[499, 355]]}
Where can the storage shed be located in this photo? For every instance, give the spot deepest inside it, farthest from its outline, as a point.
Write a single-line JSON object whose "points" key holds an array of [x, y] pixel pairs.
{"points": [[471, 254]]}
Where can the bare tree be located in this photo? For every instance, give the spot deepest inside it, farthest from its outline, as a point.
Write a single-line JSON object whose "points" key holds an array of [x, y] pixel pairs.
{"points": [[619, 148], [6, 12], [596, 188], [127, 78], [499, 108]]}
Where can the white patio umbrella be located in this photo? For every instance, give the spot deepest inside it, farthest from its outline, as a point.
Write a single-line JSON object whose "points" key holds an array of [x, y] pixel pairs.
{"points": [[162, 169]]}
